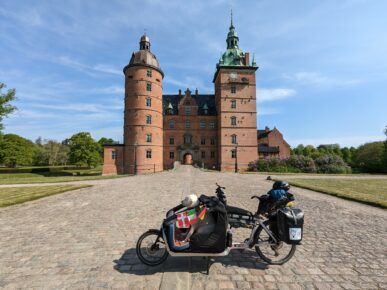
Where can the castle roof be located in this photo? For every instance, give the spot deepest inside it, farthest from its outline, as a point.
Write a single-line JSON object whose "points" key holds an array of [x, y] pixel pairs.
{"points": [[202, 101]]}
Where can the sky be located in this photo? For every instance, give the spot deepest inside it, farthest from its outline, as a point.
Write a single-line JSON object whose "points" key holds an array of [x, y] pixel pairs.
{"points": [[322, 74]]}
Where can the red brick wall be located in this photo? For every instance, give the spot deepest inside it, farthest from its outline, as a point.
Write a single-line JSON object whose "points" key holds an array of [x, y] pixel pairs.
{"points": [[110, 165], [245, 112]]}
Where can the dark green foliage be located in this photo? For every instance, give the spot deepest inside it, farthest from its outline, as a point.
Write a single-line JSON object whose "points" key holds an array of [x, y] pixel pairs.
{"points": [[50, 152], [331, 164], [83, 150], [16, 151], [5, 107], [370, 157], [104, 141]]}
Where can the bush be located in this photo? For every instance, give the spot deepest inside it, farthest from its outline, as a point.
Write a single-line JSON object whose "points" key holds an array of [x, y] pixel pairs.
{"points": [[369, 157], [299, 163], [295, 163], [331, 164]]}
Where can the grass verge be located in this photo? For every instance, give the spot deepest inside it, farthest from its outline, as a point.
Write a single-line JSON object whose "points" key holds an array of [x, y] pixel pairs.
{"points": [[369, 191], [14, 195], [24, 178]]}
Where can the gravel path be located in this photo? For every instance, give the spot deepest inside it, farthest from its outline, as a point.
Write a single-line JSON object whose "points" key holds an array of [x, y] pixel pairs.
{"points": [[86, 239]]}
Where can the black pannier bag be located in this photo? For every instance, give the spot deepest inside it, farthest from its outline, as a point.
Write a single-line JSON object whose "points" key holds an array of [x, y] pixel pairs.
{"points": [[290, 222]]}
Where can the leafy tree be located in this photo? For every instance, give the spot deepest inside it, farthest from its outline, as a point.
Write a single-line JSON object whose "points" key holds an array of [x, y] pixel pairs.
{"points": [[385, 152], [331, 163], [369, 157], [5, 107], [50, 152], [16, 150], [83, 150], [102, 142]]}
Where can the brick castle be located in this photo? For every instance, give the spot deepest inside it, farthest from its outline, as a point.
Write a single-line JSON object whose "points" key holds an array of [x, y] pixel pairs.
{"points": [[217, 131]]}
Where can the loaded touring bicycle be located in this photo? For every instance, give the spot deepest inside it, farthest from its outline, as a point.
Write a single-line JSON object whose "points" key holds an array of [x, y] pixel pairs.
{"points": [[203, 227]]}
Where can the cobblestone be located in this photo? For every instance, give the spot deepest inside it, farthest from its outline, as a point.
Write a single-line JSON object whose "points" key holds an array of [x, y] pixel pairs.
{"points": [[86, 239]]}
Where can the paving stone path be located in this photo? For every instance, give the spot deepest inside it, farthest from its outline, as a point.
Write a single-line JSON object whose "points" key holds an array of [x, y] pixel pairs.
{"points": [[86, 239]]}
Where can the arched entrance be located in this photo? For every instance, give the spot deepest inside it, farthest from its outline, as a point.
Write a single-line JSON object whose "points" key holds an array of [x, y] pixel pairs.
{"points": [[188, 159]]}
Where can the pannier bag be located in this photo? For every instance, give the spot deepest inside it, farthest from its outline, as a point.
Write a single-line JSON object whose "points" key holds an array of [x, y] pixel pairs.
{"points": [[290, 222]]}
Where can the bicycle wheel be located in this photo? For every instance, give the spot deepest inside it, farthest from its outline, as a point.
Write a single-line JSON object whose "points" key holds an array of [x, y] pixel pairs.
{"points": [[271, 252], [151, 249]]}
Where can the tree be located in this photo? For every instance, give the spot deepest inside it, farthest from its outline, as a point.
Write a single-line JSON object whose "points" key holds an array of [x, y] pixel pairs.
{"points": [[5, 107], [369, 157], [83, 150], [384, 165], [104, 141], [16, 150], [50, 152]]}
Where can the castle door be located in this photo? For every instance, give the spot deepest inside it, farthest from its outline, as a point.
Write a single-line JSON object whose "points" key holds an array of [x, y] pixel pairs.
{"points": [[188, 160]]}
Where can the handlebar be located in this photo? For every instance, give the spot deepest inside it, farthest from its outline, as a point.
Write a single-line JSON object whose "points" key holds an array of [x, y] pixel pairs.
{"points": [[219, 187]]}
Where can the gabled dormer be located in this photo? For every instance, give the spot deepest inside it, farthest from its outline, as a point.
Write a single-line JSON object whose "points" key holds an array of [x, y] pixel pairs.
{"points": [[188, 105]]}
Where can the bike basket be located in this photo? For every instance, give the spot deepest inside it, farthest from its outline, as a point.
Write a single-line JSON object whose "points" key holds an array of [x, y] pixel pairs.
{"points": [[290, 222]]}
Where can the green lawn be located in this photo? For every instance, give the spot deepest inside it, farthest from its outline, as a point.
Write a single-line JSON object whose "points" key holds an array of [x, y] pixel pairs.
{"points": [[15, 195], [370, 191], [20, 178]]}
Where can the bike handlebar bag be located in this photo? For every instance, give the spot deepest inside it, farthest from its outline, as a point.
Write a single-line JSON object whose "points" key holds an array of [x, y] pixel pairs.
{"points": [[290, 222]]}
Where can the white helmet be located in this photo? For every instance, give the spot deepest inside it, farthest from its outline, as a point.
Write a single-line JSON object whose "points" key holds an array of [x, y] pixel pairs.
{"points": [[190, 201]]}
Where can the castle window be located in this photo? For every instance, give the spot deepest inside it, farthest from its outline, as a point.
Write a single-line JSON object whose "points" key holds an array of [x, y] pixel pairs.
{"points": [[148, 102], [149, 87], [233, 121], [233, 139], [233, 104], [233, 153], [171, 155], [149, 73], [212, 154], [187, 139], [114, 154], [233, 89], [203, 154], [212, 125], [148, 137], [202, 124], [171, 141], [148, 154], [203, 141], [187, 111], [212, 140], [187, 124], [148, 119], [171, 124]]}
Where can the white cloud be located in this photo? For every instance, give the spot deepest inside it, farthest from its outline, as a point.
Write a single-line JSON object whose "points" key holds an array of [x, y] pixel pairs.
{"points": [[316, 79], [72, 63], [267, 95]]}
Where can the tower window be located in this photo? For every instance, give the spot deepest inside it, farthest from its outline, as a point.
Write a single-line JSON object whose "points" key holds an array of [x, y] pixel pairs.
{"points": [[202, 124], [187, 111], [187, 124], [233, 153], [233, 89], [148, 154], [234, 139], [233, 104], [114, 154], [171, 141], [148, 102], [149, 73], [203, 141], [203, 154], [149, 138], [212, 154], [171, 155], [149, 87], [171, 124], [148, 119], [212, 140], [212, 125], [233, 121]]}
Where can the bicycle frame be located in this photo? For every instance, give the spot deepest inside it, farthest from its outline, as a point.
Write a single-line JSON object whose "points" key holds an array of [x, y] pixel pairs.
{"points": [[244, 245]]}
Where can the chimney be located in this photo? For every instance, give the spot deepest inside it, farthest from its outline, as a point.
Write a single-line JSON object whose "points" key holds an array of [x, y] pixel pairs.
{"points": [[196, 92], [247, 58], [267, 129], [179, 92]]}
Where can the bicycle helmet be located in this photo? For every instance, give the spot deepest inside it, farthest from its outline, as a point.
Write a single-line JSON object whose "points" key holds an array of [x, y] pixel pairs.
{"points": [[281, 185]]}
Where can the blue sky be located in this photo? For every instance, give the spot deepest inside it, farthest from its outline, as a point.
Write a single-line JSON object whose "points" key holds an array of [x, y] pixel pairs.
{"points": [[322, 74]]}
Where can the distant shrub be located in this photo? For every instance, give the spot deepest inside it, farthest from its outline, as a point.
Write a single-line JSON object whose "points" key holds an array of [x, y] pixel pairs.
{"points": [[331, 164], [295, 163]]}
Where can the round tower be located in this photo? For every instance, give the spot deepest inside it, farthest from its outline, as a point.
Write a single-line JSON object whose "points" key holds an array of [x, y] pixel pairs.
{"points": [[143, 118]]}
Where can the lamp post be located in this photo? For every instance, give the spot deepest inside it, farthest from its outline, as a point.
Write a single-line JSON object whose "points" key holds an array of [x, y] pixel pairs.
{"points": [[236, 157], [135, 158]]}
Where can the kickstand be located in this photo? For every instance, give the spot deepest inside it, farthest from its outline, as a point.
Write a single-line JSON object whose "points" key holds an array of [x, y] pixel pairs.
{"points": [[208, 266]]}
